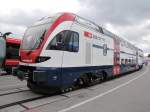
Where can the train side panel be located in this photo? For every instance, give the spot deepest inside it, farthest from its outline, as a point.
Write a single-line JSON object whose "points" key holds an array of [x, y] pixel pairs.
{"points": [[91, 57], [74, 51], [103, 53], [127, 58]]}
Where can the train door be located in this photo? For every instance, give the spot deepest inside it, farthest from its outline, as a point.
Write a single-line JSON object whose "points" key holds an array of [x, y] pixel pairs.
{"points": [[55, 50], [71, 57], [71, 54], [116, 67]]}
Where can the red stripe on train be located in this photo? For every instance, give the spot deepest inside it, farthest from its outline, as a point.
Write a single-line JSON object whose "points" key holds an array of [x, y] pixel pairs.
{"points": [[12, 62], [25, 56], [13, 41]]}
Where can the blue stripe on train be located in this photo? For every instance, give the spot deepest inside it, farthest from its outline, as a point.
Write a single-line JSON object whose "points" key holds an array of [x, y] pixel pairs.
{"points": [[66, 76]]}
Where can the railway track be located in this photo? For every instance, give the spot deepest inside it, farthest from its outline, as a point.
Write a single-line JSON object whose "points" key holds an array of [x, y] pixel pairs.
{"points": [[12, 87], [20, 96], [20, 102], [8, 93], [11, 90], [33, 102], [17, 98], [23, 97]]}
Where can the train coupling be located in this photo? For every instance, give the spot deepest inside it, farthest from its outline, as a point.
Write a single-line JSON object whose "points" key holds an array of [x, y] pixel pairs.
{"points": [[22, 75]]}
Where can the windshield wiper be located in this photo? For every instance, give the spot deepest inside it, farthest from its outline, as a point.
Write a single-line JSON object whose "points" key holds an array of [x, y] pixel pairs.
{"points": [[41, 39]]}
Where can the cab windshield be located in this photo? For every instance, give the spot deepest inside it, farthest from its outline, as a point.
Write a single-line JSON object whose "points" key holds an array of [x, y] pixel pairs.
{"points": [[34, 35]]}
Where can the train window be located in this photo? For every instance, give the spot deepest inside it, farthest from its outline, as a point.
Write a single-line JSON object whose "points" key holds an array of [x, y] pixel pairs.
{"points": [[74, 42], [34, 36], [129, 61], [126, 61], [66, 41], [105, 49], [57, 42], [122, 61]]}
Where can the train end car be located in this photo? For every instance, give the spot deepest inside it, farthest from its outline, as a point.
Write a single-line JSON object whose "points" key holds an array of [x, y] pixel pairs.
{"points": [[12, 53]]}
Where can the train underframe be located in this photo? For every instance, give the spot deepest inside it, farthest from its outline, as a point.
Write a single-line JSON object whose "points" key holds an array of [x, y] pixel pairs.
{"points": [[53, 80]]}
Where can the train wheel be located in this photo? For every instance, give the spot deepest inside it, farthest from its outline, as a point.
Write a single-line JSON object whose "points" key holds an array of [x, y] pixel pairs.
{"points": [[83, 81], [66, 90], [80, 82], [104, 76]]}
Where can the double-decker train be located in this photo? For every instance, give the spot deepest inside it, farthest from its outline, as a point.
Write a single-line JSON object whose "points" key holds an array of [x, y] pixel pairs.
{"points": [[65, 50]]}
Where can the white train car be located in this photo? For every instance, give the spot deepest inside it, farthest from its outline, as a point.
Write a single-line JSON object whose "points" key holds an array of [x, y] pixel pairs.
{"points": [[65, 50]]}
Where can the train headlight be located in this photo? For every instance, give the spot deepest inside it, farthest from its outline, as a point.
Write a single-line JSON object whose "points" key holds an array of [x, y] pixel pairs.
{"points": [[42, 59]]}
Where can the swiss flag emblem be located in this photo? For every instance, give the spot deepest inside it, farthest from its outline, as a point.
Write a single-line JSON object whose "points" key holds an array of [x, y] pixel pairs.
{"points": [[88, 34]]}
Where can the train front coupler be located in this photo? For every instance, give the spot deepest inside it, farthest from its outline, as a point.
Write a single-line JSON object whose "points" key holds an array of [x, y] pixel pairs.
{"points": [[22, 75]]}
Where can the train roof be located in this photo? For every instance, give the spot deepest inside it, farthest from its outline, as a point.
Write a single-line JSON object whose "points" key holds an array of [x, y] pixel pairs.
{"points": [[89, 24], [104, 31]]}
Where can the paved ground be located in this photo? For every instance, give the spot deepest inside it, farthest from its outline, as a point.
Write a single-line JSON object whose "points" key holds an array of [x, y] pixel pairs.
{"points": [[130, 96], [9, 82], [130, 93]]}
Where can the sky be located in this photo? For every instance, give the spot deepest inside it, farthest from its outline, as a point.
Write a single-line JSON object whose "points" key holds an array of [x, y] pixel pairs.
{"points": [[129, 19]]}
